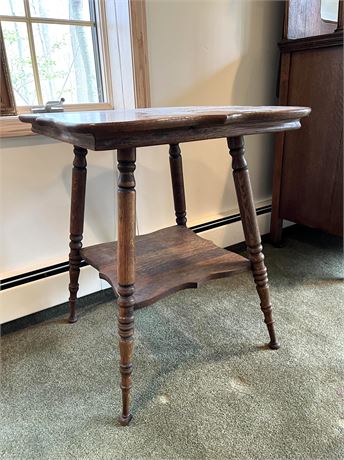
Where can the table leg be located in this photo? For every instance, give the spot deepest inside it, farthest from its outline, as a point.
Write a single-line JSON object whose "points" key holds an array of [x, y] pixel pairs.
{"points": [[176, 167], [76, 225], [126, 272], [251, 231]]}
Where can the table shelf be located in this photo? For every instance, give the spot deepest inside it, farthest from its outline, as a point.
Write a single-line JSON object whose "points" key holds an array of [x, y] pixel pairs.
{"points": [[167, 261]]}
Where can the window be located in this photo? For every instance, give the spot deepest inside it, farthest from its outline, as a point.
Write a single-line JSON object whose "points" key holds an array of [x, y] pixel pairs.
{"points": [[329, 10], [100, 63], [52, 51]]}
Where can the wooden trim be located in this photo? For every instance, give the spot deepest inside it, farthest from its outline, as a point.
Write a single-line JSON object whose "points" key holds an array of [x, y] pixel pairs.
{"points": [[318, 41], [33, 55], [276, 222], [41, 20], [286, 20], [11, 126], [140, 52], [7, 103], [340, 16]]}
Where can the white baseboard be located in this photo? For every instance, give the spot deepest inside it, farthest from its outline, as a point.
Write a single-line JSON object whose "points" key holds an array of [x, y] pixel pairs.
{"points": [[45, 293], [228, 235]]}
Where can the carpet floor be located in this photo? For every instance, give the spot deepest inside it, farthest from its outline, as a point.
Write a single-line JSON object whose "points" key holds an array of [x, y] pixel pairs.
{"points": [[205, 385]]}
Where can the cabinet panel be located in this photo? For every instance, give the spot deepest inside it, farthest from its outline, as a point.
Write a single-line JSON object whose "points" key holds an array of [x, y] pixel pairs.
{"points": [[311, 177]]}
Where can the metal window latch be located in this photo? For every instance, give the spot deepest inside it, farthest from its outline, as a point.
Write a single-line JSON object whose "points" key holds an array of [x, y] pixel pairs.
{"points": [[50, 106]]}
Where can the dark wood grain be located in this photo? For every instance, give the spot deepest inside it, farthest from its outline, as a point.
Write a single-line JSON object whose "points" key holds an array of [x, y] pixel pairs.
{"points": [[340, 22], [276, 223], [76, 225], [126, 273], [137, 120], [320, 41], [251, 231], [308, 170], [168, 260], [7, 101], [144, 269], [176, 167], [114, 129]]}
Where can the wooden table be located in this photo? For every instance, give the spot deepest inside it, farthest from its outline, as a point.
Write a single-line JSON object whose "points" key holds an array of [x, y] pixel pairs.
{"points": [[146, 268]]}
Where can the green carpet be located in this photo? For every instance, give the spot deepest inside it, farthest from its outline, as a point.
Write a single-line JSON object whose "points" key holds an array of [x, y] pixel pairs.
{"points": [[205, 386]]}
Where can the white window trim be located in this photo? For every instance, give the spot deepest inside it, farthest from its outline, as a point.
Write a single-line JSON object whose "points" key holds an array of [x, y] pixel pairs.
{"points": [[116, 36]]}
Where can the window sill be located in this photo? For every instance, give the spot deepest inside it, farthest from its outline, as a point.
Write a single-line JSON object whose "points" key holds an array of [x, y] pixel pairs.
{"points": [[11, 126]]}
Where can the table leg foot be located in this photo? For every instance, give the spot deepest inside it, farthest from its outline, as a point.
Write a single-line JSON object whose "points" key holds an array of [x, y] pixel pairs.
{"points": [[72, 318], [125, 420], [274, 345], [260, 275], [74, 272]]}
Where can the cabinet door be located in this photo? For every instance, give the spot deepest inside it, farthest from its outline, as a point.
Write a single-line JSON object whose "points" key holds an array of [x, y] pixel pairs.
{"points": [[311, 183]]}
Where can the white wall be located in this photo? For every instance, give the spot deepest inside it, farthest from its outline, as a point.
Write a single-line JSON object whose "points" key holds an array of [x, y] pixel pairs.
{"points": [[34, 209], [208, 52], [200, 52], [35, 185]]}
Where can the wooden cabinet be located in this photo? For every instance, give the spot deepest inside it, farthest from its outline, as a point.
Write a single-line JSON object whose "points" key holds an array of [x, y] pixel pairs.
{"points": [[308, 171]]}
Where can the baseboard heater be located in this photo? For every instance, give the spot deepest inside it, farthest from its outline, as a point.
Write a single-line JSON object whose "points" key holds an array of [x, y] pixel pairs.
{"points": [[63, 267]]}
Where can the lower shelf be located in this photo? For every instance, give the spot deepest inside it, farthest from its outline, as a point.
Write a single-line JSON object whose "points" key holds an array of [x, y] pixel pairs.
{"points": [[167, 261]]}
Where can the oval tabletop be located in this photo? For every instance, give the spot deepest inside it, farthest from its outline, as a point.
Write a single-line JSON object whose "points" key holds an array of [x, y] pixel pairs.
{"points": [[109, 129]]}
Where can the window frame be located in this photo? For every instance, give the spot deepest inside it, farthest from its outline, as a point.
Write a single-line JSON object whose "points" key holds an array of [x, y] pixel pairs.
{"points": [[29, 20], [123, 59], [7, 102]]}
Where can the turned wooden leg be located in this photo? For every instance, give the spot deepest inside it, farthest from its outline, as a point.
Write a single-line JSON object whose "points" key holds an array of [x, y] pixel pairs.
{"points": [[176, 167], [126, 272], [251, 231], [76, 225]]}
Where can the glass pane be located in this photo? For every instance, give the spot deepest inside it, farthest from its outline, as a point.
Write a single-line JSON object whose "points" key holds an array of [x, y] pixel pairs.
{"points": [[61, 9], [329, 10], [12, 7], [66, 63], [19, 61]]}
